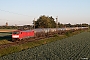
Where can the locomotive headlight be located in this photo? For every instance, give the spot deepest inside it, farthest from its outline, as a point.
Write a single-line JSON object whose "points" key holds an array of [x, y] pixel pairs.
{"points": [[15, 36]]}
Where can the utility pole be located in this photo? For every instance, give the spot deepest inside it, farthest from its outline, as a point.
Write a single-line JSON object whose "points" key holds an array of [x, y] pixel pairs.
{"points": [[56, 23], [34, 23]]}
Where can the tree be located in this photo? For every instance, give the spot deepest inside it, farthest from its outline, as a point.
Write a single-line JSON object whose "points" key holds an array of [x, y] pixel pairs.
{"points": [[53, 24], [84, 25], [45, 22], [60, 25], [68, 25]]}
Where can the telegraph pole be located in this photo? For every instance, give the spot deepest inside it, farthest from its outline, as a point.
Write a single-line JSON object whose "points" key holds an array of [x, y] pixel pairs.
{"points": [[34, 23], [56, 23]]}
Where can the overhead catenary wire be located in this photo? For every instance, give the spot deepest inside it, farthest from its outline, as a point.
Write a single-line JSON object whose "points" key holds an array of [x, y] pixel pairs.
{"points": [[3, 19], [14, 13]]}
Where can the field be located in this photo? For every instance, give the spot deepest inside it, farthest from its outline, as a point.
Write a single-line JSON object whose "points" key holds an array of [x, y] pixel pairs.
{"points": [[7, 30], [76, 47], [5, 35]]}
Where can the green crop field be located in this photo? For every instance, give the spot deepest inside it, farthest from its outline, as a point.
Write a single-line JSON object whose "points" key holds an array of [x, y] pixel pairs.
{"points": [[5, 34], [5, 37], [76, 47]]}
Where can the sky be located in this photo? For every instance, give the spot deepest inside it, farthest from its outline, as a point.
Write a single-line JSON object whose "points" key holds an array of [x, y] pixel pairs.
{"points": [[23, 12]]}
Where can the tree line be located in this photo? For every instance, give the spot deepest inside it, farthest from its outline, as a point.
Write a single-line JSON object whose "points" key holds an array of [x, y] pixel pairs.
{"points": [[45, 22], [50, 22]]}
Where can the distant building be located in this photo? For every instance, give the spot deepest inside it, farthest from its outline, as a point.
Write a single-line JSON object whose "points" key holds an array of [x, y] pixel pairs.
{"points": [[6, 23]]}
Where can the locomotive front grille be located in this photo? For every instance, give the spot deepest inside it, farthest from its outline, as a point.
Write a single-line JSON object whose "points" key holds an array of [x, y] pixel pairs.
{"points": [[15, 36]]}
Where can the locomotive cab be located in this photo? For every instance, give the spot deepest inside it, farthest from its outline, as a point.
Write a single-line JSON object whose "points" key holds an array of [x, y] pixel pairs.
{"points": [[15, 35], [20, 35]]}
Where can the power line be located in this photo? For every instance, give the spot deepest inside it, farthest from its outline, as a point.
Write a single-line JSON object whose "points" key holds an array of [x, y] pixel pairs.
{"points": [[3, 19], [13, 13]]}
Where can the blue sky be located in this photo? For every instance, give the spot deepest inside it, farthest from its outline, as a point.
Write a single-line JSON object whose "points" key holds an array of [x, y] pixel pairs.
{"points": [[22, 12]]}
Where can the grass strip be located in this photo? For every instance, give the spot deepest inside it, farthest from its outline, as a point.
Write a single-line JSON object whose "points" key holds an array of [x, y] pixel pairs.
{"points": [[4, 42], [17, 48]]}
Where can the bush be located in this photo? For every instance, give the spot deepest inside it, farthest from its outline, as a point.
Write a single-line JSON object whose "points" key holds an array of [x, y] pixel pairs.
{"points": [[55, 35], [68, 34]]}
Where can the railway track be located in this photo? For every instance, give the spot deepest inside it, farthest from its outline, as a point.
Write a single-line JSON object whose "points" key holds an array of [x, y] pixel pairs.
{"points": [[27, 40], [19, 42]]}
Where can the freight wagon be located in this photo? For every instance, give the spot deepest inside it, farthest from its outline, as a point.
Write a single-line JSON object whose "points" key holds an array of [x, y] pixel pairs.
{"points": [[45, 32]]}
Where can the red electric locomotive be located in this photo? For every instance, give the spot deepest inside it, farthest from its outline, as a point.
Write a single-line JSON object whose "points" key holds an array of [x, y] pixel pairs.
{"points": [[19, 35]]}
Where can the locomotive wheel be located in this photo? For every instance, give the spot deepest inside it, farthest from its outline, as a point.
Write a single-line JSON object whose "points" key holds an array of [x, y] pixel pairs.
{"points": [[15, 40]]}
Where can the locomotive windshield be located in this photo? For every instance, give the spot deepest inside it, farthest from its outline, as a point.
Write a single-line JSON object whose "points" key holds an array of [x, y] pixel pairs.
{"points": [[16, 32]]}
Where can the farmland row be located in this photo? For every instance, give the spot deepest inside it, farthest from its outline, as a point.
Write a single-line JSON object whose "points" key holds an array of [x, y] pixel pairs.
{"points": [[73, 48]]}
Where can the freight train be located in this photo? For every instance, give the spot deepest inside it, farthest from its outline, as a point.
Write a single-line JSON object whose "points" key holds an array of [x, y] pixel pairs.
{"points": [[44, 32]]}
